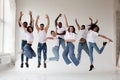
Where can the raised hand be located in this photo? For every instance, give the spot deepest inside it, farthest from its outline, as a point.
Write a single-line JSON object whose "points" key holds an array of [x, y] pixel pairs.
{"points": [[47, 16], [30, 12], [21, 13]]}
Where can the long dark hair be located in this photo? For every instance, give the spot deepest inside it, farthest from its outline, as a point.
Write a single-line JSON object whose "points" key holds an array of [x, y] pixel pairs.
{"points": [[93, 26], [28, 29], [73, 29]]}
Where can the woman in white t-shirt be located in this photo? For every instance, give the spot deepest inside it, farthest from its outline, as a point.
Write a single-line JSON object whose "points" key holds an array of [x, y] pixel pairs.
{"points": [[55, 47], [70, 38], [23, 28], [92, 34]]}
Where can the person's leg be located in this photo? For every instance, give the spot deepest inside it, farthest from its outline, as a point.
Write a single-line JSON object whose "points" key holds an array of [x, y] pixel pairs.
{"points": [[97, 49], [22, 54], [62, 41], [45, 54], [39, 49], [65, 55], [86, 49], [56, 54], [80, 47], [72, 55], [91, 55]]}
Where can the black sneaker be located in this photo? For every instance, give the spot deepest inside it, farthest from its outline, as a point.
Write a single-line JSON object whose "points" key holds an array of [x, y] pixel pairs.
{"points": [[91, 67], [39, 64], [27, 65], [45, 66], [21, 65], [104, 43]]}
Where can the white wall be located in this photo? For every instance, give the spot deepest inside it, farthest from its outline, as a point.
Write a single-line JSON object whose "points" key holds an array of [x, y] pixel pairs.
{"points": [[81, 9]]}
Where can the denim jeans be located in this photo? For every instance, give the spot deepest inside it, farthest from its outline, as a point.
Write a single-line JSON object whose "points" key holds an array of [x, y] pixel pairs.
{"points": [[42, 46], [69, 49], [55, 50], [28, 51], [93, 45], [83, 46], [22, 47], [61, 42]]}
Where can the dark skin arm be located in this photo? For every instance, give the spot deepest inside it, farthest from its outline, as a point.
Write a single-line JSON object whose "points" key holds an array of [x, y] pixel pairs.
{"points": [[31, 19], [78, 26], [56, 23], [19, 19]]}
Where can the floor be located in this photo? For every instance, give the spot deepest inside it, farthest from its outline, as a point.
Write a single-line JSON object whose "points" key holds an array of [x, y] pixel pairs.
{"points": [[56, 71]]}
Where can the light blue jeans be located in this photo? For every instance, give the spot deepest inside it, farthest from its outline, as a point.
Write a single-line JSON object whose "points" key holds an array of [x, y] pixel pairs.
{"points": [[69, 49], [83, 46], [55, 50], [61, 42], [42, 46], [93, 45], [28, 51]]}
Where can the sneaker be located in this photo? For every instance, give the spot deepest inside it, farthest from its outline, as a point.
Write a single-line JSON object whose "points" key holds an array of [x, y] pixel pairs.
{"points": [[21, 65], [27, 65], [45, 66], [39, 64], [104, 43], [91, 67]]}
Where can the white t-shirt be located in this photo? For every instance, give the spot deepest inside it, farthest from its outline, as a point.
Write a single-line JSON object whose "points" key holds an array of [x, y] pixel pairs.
{"points": [[55, 41], [29, 37], [23, 33], [83, 33], [91, 36], [69, 35], [42, 36], [60, 30]]}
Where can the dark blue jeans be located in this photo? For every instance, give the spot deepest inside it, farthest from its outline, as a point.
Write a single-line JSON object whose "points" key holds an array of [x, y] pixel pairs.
{"points": [[69, 49], [42, 46], [22, 46]]}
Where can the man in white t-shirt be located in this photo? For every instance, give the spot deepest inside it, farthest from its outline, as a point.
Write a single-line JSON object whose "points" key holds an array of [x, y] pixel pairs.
{"points": [[55, 48], [60, 31], [23, 36], [42, 46]]}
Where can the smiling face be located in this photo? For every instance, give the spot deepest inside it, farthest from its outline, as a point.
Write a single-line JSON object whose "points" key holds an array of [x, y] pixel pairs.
{"points": [[53, 33]]}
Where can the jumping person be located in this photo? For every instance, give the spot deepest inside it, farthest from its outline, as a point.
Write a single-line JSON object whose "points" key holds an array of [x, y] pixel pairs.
{"points": [[55, 48], [27, 49], [70, 38], [23, 26], [60, 31], [83, 31], [92, 34], [42, 32]]}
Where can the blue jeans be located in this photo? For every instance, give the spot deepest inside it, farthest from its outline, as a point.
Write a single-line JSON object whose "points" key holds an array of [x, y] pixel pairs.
{"points": [[69, 49], [83, 46], [61, 42], [22, 46], [55, 50], [42, 46], [93, 45], [28, 51]]}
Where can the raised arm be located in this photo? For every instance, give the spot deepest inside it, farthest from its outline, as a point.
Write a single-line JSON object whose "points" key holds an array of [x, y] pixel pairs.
{"points": [[36, 23], [19, 19], [66, 21], [56, 23], [48, 23], [91, 20], [31, 19], [105, 37], [78, 26]]}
